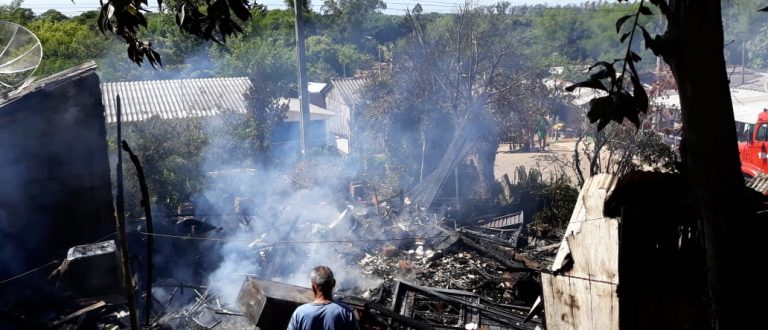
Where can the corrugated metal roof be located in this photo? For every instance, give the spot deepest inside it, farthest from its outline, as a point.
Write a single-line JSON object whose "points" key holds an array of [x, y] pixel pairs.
{"points": [[503, 221], [759, 183], [350, 88], [174, 98], [184, 98]]}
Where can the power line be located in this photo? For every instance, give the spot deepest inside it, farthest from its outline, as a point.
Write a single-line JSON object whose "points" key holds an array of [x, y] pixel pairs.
{"points": [[278, 242], [27, 272]]}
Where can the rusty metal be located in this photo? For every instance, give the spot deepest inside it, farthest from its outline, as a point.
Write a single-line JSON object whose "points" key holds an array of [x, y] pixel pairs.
{"points": [[467, 306], [275, 300], [492, 249]]}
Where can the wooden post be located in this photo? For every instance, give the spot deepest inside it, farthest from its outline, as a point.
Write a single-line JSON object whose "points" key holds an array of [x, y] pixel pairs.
{"points": [[121, 235], [150, 230], [506, 187], [456, 183], [304, 119]]}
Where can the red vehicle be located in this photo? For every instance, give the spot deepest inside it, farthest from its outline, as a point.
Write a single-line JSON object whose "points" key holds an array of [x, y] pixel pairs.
{"points": [[753, 150]]}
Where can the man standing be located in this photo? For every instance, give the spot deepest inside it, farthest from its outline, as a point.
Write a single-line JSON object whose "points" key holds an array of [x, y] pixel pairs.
{"points": [[542, 130], [323, 313]]}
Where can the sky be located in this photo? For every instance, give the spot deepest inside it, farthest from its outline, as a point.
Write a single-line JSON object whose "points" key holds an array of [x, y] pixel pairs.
{"points": [[394, 7]]}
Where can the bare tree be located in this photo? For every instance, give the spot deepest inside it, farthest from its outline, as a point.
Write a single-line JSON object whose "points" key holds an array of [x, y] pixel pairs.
{"points": [[461, 70]]}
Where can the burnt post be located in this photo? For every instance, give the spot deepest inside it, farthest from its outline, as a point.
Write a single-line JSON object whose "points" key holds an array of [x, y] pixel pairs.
{"points": [[121, 235], [150, 231]]}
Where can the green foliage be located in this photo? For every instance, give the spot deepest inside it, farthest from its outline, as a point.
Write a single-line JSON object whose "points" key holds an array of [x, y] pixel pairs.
{"points": [[277, 23], [184, 56], [171, 153], [624, 95], [757, 49], [652, 153], [87, 18], [176, 153], [349, 15], [458, 69], [619, 149], [578, 34], [264, 60], [14, 12], [66, 44], [551, 201], [559, 199], [742, 25], [53, 15], [243, 140], [328, 60]]}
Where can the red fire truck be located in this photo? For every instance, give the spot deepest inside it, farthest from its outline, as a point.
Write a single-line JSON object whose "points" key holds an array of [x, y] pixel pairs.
{"points": [[753, 148]]}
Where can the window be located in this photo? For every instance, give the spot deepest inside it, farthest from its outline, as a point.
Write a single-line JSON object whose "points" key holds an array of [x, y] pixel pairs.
{"points": [[744, 131], [762, 133]]}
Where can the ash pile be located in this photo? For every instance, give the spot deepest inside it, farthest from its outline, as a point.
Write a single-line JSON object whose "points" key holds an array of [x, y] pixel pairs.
{"points": [[480, 275]]}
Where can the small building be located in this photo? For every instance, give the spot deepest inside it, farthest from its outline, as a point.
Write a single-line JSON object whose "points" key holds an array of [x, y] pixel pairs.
{"points": [[56, 190], [342, 97], [184, 98]]}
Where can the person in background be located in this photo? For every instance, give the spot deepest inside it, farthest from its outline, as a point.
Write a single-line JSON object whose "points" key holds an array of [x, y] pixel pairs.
{"points": [[542, 129], [323, 313]]}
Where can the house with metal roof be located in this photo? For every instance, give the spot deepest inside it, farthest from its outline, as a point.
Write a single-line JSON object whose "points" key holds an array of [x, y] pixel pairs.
{"points": [[204, 97], [342, 97]]}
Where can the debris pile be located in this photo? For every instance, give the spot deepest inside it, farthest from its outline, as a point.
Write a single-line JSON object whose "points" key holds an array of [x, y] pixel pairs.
{"points": [[206, 312], [461, 271], [429, 271]]}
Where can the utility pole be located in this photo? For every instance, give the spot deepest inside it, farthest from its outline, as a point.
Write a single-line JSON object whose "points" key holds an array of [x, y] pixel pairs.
{"points": [[743, 60], [303, 91]]}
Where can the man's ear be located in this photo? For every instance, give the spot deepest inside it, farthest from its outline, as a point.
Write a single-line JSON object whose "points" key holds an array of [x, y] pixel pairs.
{"points": [[333, 283]]}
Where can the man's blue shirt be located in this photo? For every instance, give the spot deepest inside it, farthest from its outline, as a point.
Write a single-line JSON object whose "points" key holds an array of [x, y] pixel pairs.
{"points": [[331, 316]]}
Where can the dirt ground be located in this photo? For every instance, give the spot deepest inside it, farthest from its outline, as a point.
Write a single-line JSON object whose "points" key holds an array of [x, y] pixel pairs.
{"points": [[554, 160]]}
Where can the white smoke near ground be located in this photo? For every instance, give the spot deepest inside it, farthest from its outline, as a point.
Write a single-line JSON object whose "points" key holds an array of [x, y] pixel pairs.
{"points": [[285, 228]]}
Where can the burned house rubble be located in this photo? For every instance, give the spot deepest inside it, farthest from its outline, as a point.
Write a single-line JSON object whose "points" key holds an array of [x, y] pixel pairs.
{"points": [[236, 260], [424, 273], [238, 256]]}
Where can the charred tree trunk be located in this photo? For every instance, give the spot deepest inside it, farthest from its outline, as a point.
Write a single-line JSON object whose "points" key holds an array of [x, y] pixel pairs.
{"points": [[484, 156], [693, 47]]}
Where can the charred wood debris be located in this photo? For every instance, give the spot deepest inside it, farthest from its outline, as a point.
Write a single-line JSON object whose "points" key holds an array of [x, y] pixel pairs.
{"points": [[435, 273]]}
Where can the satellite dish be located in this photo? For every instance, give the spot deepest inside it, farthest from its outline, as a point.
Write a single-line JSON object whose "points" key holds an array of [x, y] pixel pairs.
{"points": [[20, 55]]}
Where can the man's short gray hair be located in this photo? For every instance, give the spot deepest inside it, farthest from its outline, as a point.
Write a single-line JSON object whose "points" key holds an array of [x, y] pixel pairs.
{"points": [[322, 277]]}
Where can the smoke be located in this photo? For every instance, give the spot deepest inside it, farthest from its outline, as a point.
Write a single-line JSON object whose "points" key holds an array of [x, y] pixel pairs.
{"points": [[273, 217], [279, 239]]}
